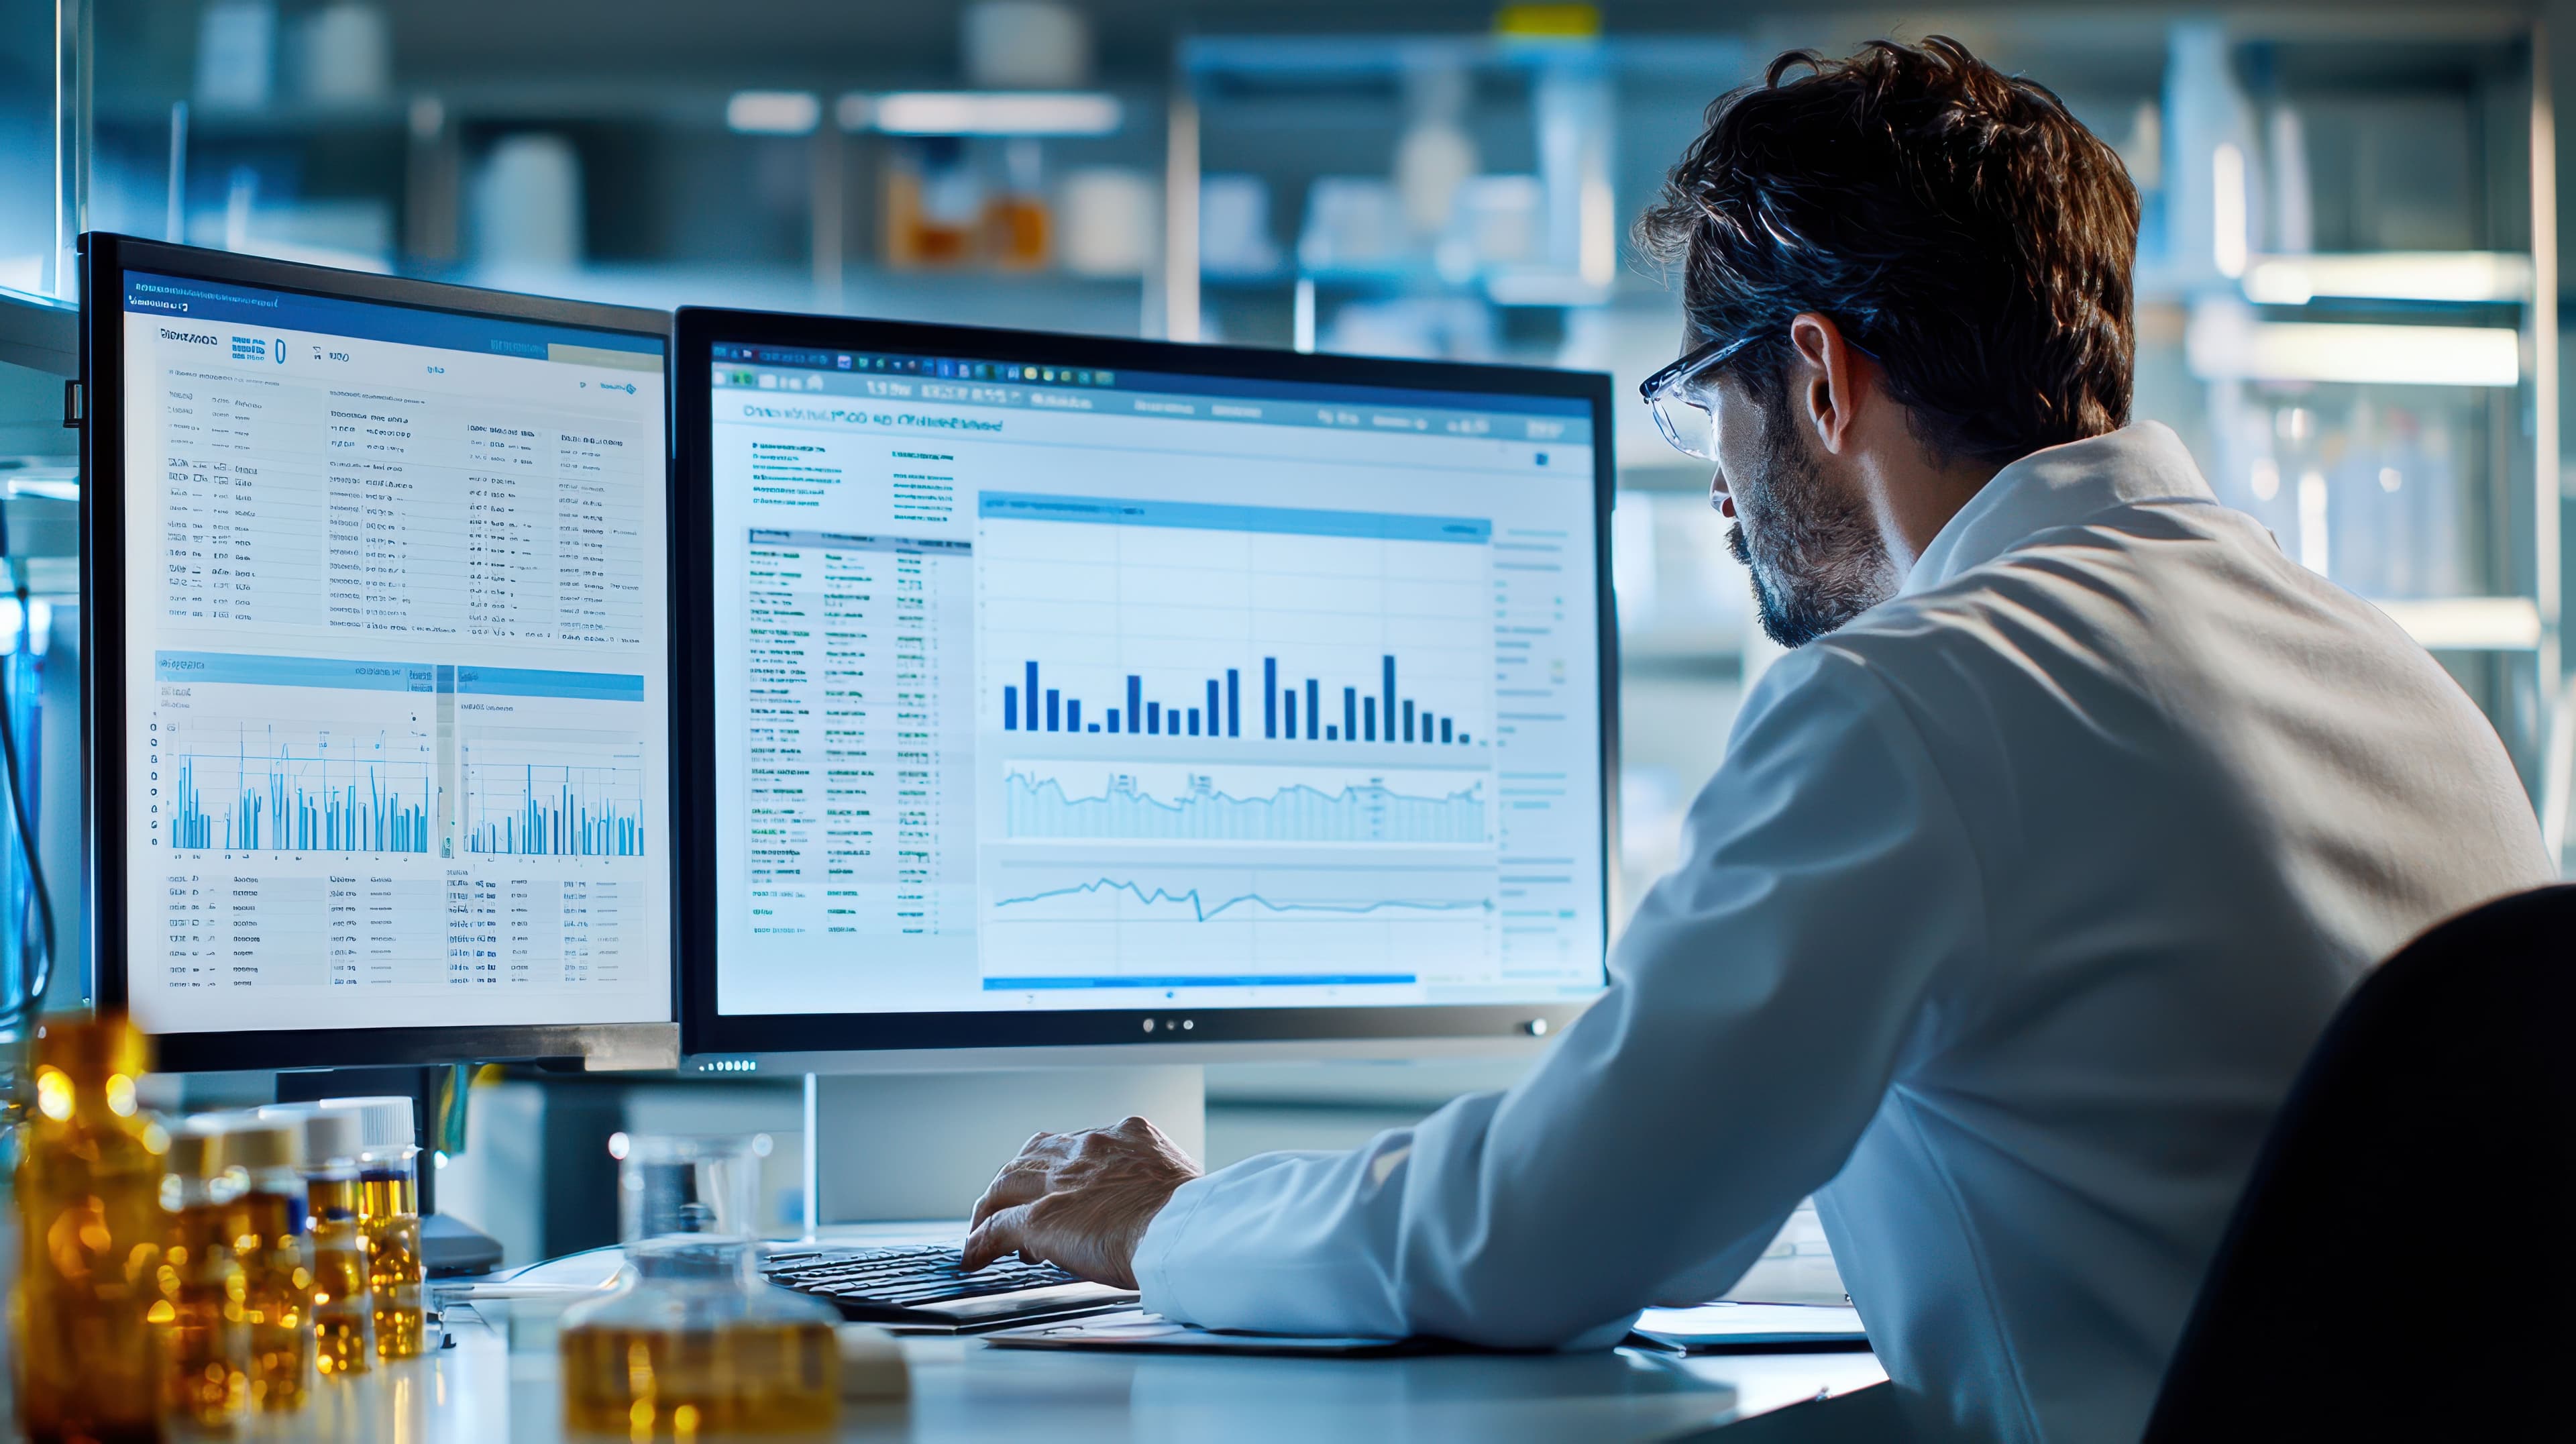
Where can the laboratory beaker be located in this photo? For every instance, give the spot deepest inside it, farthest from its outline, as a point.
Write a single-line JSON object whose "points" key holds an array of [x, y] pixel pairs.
{"points": [[693, 1341]]}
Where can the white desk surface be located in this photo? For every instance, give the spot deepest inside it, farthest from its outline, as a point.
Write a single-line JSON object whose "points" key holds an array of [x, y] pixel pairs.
{"points": [[499, 1381]]}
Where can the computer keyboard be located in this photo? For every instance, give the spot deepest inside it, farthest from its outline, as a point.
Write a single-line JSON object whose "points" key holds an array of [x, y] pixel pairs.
{"points": [[920, 1286]]}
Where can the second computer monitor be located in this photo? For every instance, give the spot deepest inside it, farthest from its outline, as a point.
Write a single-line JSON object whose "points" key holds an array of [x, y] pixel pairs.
{"points": [[379, 665], [1059, 691]]}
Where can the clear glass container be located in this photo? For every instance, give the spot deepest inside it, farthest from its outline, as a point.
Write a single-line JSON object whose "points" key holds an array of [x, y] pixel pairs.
{"points": [[90, 1227], [267, 1225], [205, 1373], [389, 1211], [692, 1341]]}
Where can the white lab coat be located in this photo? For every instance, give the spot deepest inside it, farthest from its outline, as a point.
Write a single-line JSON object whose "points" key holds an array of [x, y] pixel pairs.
{"points": [[2015, 908]]}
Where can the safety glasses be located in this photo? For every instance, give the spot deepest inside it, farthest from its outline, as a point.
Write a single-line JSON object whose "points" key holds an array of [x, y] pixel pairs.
{"points": [[1672, 394]]}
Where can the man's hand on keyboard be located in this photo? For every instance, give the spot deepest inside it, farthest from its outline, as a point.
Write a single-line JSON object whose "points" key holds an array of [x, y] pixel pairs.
{"points": [[1080, 1201]]}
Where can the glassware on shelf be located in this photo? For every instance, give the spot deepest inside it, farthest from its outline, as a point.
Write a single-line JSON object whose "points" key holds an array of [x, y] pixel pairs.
{"points": [[91, 1226], [692, 1342], [205, 1379], [1109, 221], [2373, 490], [934, 204], [1019, 229], [267, 1225]]}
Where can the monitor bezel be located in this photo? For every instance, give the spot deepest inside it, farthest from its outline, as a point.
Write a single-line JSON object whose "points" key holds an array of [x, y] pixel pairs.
{"points": [[105, 260], [814, 1041]]}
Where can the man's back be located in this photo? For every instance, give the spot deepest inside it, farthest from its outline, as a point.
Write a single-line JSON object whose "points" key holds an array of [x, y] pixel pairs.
{"points": [[2032, 872], [2205, 789], [2012, 914]]}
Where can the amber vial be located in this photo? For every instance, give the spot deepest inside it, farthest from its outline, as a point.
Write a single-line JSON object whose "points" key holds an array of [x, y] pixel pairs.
{"points": [[344, 1325], [205, 1379], [388, 1211], [267, 1222], [91, 1226]]}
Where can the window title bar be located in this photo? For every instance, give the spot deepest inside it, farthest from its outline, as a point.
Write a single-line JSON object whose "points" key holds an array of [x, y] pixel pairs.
{"points": [[955, 368], [180, 300], [1388, 410]]}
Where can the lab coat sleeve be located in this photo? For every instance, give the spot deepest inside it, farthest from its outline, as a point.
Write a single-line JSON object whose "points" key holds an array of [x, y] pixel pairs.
{"points": [[1760, 1003]]}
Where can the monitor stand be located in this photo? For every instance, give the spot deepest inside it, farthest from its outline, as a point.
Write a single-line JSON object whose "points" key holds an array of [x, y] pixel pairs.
{"points": [[448, 1247], [903, 1147]]}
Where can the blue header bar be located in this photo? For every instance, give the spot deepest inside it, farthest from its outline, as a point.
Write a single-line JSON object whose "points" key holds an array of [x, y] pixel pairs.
{"points": [[1204, 516], [1078, 374], [182, 300], [294, 672], [522, 682]]}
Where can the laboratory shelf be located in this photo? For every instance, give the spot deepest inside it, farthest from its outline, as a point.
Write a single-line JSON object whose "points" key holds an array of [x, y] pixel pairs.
{"points": [[39, 333]]}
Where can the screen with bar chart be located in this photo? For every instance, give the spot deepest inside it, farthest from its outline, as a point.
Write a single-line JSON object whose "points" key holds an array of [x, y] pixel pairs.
{"points": [[1048, 687], [395, 665]]}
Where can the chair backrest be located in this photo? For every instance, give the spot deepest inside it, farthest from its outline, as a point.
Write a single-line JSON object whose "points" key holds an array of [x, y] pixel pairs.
{"points": [[2403, 1260]]}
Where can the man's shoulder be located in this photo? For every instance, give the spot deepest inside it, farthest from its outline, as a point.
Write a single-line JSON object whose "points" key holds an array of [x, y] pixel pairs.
{"points": [[2160, 625], [2120, 579]]}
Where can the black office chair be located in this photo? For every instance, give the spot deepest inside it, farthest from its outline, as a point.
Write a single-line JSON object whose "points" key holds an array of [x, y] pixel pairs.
{"points": [[2403, 1261]]}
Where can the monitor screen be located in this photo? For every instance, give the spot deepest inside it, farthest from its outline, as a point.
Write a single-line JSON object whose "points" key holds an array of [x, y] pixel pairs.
{"points": [[1048, 685], [395, 665]]}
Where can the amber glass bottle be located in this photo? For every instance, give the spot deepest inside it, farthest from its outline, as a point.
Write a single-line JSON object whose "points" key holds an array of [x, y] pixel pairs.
{"points": [[91, 1227], [344, 1324], [205, 1340], [389, 1212], [268, 1238]]}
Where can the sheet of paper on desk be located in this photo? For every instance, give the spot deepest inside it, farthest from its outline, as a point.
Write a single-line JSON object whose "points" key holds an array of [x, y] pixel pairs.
{"points": [[1732, 1325], [1139, 1332]]}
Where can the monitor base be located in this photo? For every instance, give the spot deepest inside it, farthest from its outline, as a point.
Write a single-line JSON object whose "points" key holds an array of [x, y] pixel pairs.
{"points": [[901, 1146], [452, 1248]]}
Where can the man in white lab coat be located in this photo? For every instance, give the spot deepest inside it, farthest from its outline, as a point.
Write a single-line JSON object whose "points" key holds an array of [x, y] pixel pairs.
{"points": [[2031, 875]]}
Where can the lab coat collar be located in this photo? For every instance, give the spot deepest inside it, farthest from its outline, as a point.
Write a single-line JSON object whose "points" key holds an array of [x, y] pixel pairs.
{"points": [[2057, 487]]}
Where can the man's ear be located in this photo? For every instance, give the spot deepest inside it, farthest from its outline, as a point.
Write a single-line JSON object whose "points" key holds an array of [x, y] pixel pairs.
{"points": [[1826, 379]]}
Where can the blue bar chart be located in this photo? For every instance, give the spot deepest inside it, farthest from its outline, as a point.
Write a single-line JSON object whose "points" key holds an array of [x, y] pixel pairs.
{"points": [[1236, 624], [1155, 708], [276, 792], [550, 808], [1248, 747]]}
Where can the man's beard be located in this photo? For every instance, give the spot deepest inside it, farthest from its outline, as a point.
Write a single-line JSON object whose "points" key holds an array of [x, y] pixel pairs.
{"points": [[1817, 561]]}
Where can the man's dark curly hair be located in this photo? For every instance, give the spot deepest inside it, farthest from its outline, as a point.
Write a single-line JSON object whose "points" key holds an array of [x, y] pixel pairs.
{"points": [[1957, 224]]}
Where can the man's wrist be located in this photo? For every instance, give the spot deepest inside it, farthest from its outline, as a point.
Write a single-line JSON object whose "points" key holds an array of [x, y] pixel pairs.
{"points": [[1163, 1235]]}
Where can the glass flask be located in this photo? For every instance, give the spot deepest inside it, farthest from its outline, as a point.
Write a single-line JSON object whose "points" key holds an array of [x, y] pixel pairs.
{"points": [[693, 1342], [389, 1211], [267, 1223], [205, 1378], [90, 1225]]}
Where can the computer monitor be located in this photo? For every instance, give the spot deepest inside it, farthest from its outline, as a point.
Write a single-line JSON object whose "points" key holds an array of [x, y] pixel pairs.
{"points": [[1052, 697], [378, 660]]}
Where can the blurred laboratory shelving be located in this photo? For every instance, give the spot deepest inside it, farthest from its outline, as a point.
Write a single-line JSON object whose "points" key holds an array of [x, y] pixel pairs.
{"points": [[2361, 240], [2347, 279]]}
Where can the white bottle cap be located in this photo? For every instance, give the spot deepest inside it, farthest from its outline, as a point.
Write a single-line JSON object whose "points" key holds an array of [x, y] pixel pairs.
{"points": [[385, 1122], [330, 1133]]}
